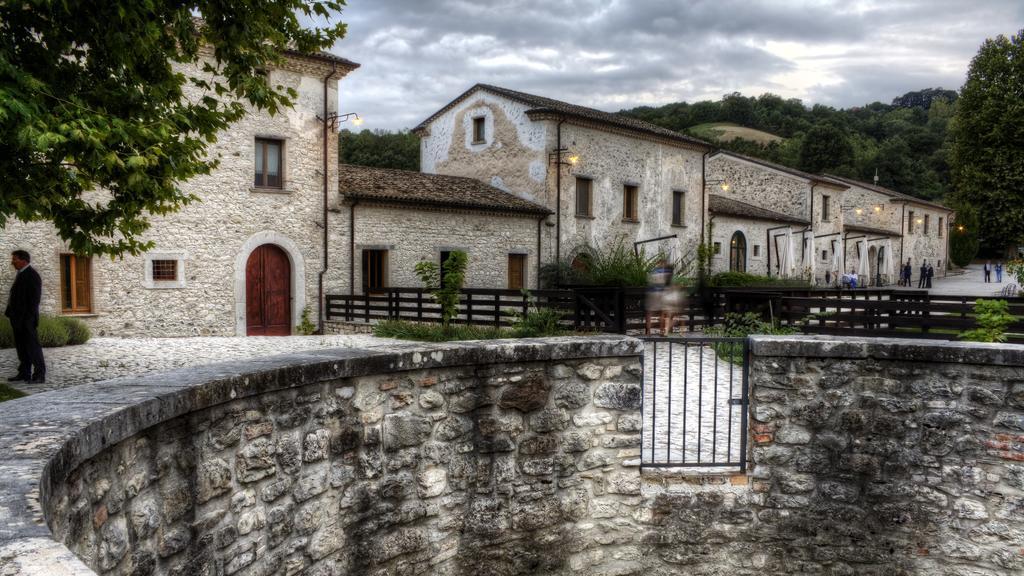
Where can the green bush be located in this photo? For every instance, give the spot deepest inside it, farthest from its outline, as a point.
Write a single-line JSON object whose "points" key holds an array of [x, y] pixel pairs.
{"points": [[6, 333], [741, 326], [993, 318], [52, 332], [78, 331], [742, 279], [405, 330], [537, 322], [445, 288], [305, 326]]}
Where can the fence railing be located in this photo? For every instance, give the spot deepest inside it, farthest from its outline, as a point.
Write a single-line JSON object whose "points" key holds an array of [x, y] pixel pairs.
{"points": [[695, 400], [907, 316], [478, 306]]}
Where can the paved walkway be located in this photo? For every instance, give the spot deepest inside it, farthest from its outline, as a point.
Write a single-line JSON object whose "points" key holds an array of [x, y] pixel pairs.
{"points": [[105, 358], [970, 283]]}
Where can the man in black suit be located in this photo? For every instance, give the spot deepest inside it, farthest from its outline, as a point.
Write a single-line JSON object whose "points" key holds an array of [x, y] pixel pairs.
{"points": [[23, 310]]}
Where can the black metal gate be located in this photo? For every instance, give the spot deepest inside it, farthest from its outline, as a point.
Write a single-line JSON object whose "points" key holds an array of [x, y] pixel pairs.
{"points": [[695, 402]]}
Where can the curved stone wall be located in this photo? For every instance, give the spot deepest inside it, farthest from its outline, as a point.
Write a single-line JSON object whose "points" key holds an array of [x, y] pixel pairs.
{"points": [[519, 457]]}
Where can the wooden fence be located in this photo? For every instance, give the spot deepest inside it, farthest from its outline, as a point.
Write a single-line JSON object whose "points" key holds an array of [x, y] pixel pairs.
{"points": [[478, 306], [857, 312]]}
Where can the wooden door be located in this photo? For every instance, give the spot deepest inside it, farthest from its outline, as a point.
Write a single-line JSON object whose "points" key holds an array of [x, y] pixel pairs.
{"points": [[268, 292]]}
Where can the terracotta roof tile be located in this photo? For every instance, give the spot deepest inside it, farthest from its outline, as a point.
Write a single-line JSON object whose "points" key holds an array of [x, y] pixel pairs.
{"points": [[729, 207], [419, 189], [543, 105]]}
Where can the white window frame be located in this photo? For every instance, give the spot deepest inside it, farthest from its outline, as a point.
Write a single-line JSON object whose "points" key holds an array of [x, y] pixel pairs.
{"points": [[151, 284]]}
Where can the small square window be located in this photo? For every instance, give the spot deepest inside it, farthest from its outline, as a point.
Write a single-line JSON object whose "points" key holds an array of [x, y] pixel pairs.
{"points": [[757, 249], [583, 197], [824, 255], [269, 163], [678, 207], [165, 270], [718, 248], [479, 130], [630, 196]]}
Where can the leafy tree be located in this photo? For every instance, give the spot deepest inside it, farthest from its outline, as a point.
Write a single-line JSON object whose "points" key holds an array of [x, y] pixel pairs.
{"points": [[380, 149], [93, 98], [445, 287], [963, 236], [825, 149], [987, 155], [993, 318]]}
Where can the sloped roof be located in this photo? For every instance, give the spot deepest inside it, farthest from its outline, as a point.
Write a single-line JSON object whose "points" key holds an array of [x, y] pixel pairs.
{"points": [[887, 192], [434, 190], [542, 105], [326, 57], [870, 230], [729, 207], [779, 167]]}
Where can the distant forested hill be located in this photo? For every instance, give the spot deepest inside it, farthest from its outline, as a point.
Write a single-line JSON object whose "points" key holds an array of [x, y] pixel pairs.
{"points": [[905, 141]]}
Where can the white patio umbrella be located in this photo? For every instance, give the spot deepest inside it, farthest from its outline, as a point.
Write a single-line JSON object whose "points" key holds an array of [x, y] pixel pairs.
{"points": [[888, 264], [790, 255], [835, 261], [810, 257], [862, 266]]}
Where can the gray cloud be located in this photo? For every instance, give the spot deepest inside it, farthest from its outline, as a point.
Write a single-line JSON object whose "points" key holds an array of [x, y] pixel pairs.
{"points": [[613, 54]]}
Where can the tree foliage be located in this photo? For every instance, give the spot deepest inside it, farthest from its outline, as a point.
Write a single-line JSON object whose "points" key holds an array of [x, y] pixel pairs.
{"points": [[445, 287], [987, 153], [380, 149], [906, 141], [963, 237], [93, 98]]}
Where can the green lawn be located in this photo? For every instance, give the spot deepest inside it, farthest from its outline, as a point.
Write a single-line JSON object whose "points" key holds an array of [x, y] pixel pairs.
{"points": [[8, 393]]}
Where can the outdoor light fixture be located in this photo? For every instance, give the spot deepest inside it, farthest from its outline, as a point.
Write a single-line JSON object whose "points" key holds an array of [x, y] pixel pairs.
{"points": [[558, 157], [859, 211], [919, 220], [878, 209], [960, 228], [722, 184], [333, 119]]}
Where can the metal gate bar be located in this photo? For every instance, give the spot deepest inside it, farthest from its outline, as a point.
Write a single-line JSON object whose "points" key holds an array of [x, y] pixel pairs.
{"points": [[671, 363]]}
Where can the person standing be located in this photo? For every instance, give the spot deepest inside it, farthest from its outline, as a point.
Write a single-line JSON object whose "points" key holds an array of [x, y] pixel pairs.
{"points": [[929, 275], [23, 311], [923, 278], [988, 270], [908, 271], [999, 272]]}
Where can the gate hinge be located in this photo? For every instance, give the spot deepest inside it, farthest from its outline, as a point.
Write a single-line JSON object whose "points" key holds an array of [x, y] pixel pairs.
{"points": [[738, 402]]}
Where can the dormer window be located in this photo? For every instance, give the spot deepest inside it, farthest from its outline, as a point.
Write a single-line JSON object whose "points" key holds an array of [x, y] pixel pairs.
{"points": [[269, 163], [479, 130]]}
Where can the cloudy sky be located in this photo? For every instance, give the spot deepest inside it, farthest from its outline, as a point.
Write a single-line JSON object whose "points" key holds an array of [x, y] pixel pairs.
{"points": [[417, 55]]}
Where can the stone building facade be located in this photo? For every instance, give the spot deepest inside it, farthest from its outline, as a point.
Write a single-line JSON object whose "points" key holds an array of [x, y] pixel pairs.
{"points": [[402, 218], [194, 281], [606, 178]]}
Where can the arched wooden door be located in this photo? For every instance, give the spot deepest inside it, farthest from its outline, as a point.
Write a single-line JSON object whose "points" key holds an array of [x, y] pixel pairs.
{"points": [[268, 292], [738, 252]]}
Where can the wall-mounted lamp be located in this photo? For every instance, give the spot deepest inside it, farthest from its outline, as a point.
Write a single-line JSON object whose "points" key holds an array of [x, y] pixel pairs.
{"points": [[877, 209], [919, 220], [721, 184], [960, 228], [334, 119], [555, 157]]}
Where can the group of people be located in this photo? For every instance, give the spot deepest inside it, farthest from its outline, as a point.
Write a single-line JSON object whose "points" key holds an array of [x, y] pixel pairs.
{"points": [[998, 268], [925, 274]]}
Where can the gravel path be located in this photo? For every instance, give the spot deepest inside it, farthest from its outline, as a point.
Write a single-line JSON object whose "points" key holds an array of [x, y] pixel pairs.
{"points": [[693, 421], [105, 358]]}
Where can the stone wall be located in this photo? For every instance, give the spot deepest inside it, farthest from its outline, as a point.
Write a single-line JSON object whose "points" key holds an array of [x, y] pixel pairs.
{"points": [[212, 237], [521, 457], [412, 235]]}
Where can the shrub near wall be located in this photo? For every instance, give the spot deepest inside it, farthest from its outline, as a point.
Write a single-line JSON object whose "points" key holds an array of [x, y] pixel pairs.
{"points": [[53, 331]]}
